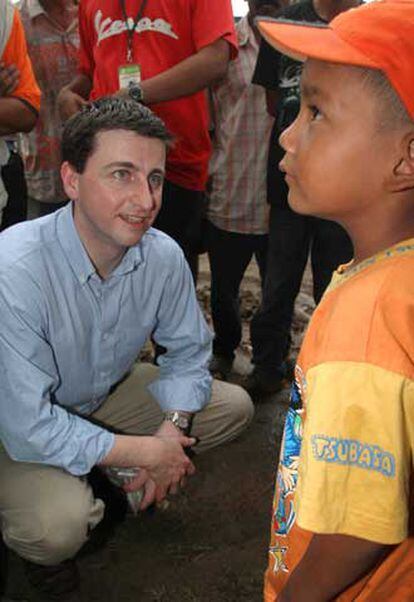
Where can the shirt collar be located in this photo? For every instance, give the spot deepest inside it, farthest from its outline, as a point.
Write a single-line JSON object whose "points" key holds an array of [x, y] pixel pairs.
{"points": [[245, 34], [76, 253], [35, 8], [346, 271]]}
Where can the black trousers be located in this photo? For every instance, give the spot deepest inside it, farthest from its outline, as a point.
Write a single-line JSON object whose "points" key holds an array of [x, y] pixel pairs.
{"points": [[15, 184], [291, 238], [181, 216], [230, 254]]}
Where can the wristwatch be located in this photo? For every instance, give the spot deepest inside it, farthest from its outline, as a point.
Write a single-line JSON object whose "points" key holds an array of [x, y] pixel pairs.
{"points": [[181, 420], [135, 91]]}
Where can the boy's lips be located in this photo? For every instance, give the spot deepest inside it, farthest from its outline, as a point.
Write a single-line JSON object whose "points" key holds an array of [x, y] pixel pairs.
{"points": [[286, 169]]}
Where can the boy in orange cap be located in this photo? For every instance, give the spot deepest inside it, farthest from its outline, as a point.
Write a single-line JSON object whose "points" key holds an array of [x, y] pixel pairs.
{"points": [[343, 519]]}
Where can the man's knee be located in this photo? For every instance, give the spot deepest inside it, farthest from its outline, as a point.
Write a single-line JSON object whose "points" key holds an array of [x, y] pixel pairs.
{"points": [[240, 406], [229, 412], [51, 535]]}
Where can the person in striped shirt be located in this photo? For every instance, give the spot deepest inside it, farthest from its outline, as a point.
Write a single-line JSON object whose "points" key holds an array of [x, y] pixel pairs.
{"points": [[237, 214]]}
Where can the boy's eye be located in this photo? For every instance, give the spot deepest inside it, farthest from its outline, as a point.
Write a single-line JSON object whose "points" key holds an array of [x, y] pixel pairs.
{"points": [[314, 111]]}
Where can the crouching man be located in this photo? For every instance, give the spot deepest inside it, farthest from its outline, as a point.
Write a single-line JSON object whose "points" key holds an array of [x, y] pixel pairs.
{"points": [[81, 291]]}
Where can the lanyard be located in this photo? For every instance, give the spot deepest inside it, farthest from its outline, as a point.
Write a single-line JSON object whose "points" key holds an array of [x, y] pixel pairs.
{"points": [[130, 30]]}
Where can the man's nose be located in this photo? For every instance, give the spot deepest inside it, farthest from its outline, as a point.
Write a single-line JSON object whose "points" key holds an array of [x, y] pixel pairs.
{"points": [[143, 196]]}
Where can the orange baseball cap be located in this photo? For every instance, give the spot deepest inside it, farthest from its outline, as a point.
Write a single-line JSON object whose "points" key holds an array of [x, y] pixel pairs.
{"points": [[379, 35]]}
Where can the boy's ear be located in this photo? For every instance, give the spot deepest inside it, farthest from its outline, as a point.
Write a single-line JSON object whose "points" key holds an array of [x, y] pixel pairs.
{"points": [[404, 171], [70, 179]]}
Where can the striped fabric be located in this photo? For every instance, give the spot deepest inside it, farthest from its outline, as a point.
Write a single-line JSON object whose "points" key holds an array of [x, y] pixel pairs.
{"points": [[237, 198]]}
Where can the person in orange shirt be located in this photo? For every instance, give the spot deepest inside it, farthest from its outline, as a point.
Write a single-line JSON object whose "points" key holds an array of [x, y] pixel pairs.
{"points": [[19, 106], [343, 513]]}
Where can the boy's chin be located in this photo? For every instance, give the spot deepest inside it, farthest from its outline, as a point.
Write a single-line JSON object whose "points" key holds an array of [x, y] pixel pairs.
{"points": [[301, 207], [298, 207]]}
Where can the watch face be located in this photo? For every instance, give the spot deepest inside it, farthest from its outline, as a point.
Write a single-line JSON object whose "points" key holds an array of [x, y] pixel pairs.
{"points": [[180, 421], [135, 92]]}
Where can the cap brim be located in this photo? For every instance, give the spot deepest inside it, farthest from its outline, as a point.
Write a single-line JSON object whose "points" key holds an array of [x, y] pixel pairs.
{"points": [[310, 40]]}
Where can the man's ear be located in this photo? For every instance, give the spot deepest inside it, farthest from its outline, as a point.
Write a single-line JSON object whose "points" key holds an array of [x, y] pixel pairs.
{"points": [[404, 171], [70, 179]]}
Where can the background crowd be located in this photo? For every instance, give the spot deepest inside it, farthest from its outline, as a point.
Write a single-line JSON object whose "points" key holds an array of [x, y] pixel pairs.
{"points": [[226, 96], [228, 116]]}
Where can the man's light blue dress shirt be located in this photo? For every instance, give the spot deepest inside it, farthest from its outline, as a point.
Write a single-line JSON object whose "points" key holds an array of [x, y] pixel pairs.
{"points": [[66, 337]]}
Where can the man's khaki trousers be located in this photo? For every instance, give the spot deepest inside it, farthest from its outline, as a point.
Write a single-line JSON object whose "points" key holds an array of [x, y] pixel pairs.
{"points": [[46, 513]]}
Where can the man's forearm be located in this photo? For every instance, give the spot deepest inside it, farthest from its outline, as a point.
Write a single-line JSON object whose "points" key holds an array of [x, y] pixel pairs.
{"points": [[127, 451], [15, 116], [190, 75], [331, 564]]}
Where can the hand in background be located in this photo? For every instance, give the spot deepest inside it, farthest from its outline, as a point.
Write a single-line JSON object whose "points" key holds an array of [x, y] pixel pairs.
{"points": [[69, 103]]}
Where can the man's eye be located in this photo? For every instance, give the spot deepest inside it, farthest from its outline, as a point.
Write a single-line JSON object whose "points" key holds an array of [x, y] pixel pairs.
{"points": [[155, 180], [122, 175]]}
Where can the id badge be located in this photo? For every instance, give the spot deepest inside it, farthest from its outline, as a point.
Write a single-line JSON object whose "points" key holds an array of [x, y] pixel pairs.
{"points": [[128, 74]]}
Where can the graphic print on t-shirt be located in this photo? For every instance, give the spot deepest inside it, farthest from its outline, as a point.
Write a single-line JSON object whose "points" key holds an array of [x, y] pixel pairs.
{"points": [[287, 476], [289, 86], [106, 27]]}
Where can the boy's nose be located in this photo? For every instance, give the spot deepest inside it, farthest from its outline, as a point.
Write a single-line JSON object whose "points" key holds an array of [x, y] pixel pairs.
{"points": [[286, 138]]}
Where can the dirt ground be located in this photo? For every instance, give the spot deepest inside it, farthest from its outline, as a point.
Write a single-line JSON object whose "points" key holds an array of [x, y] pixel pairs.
{"points": [[209, 544]]}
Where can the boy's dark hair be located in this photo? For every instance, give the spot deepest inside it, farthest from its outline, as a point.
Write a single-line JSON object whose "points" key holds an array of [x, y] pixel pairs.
{"points": [[108, 113]]}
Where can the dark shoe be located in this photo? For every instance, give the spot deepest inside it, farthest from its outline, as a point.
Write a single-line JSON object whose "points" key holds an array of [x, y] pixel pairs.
{"points": [[58, 582], [259, 383], [220, 366]]}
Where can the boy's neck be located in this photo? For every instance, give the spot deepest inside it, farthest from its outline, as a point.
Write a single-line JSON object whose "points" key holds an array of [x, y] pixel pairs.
{"points": [[328, 9], [369, 241]]}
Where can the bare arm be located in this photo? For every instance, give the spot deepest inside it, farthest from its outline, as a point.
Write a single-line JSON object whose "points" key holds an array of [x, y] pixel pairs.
{"points": [[15, 116], [331, 564], [187, 77], [190, 75]]}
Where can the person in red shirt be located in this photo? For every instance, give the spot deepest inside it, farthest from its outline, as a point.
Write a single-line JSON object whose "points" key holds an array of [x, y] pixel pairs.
{"points": [[169, 52]]}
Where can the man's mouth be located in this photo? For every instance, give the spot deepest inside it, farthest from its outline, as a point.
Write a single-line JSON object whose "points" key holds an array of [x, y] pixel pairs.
{"points": [[134, 219]]}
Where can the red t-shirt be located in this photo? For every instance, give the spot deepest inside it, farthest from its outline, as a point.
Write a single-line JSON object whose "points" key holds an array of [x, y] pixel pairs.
{"points": [[168, 33]]}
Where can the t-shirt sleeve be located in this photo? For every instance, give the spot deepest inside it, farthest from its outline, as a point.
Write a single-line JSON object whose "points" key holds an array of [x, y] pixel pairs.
{"points": [[212, 20], [356, 456], [266, 73], [15, 53]]}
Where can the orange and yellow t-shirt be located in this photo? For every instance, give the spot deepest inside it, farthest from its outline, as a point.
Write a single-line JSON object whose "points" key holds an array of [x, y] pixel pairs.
{"points": [[346, 463]]}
